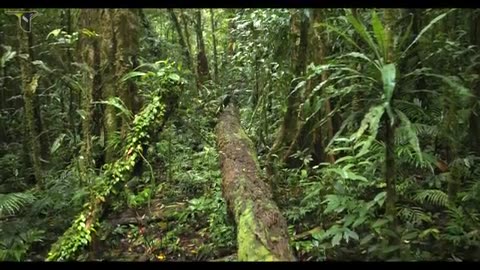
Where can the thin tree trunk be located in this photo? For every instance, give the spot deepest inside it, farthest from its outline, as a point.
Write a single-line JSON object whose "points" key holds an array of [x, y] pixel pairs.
{"points": [[185, 20], [110, 49], [475, 114], [29, 86], [214, 41], [181, 40], [390, 174], [202, 62]]}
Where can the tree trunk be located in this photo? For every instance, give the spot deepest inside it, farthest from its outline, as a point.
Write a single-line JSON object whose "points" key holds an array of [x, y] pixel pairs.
{"points": [[202, 62], [261, 229], [391, 196], [475, 114], [214, 43], [289, 126], [181, 40], [89, 53], [150, 33], [29, 86], [185, 21], [109, 48], [126, 34]]}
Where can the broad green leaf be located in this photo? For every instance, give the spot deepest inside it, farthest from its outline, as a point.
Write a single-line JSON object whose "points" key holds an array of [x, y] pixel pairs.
{"points": [[380, 223], [55, 33], [117, 103], [174, 77], [132, 75], [410, 236], [336, 239], [411, 133], [56, 144], [380, 198], [379, 32], [353, 176], [370, 121], [7, 56], [82, 114], [366, 239], [425, 29], [388, 77], [350, 234]]}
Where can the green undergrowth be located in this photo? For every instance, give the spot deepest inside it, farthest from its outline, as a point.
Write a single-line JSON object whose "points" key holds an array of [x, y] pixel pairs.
{"points": [[186, 170]]}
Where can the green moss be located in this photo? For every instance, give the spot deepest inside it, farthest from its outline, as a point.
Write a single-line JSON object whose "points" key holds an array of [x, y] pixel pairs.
{"points": [[250, 248]]}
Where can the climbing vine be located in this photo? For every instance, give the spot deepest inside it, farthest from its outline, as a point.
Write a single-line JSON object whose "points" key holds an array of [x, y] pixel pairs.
{"points": [[80, 233]]}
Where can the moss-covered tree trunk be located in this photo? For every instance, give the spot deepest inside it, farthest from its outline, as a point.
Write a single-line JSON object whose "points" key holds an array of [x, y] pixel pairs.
{"points": [[109, 47], [261, 229], [186, 22], [126, 27], [89, 53], [29, 85]]}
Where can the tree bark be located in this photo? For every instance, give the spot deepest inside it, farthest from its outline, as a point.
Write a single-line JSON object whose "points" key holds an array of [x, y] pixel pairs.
{"points": [[390, 170], [475, 114], [181, 40], [89, 53], [29, 86], [288, 129], [202, 62], [214, 41], [127, 39], [109, 48], [261, 229]]}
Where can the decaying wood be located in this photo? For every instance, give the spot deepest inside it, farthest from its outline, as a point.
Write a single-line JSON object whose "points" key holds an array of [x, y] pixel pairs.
{"points": [[261, 229]]}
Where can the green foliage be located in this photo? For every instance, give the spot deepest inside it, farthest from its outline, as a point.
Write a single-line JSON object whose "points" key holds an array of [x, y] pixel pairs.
{"points": [[79, 234], [11, 203]]}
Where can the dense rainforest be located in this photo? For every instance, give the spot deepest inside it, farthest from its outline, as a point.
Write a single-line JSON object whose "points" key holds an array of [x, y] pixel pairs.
{"points": [[240, 135]]}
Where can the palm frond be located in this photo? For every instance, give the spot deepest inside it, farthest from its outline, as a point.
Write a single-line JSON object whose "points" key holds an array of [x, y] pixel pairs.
{"points": [[11, 203], [414, 215]]}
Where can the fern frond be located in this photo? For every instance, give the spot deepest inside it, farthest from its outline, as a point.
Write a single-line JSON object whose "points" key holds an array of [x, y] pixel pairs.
{"points": [[414, 215], [425, 130], [432, 196], [11, 203]]}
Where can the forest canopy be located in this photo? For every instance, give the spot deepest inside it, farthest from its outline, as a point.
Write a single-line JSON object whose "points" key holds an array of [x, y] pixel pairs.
{"points": [[239, 134]]}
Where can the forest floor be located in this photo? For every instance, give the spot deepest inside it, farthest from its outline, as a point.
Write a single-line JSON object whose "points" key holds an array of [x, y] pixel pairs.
{"points": [[185, 218]]}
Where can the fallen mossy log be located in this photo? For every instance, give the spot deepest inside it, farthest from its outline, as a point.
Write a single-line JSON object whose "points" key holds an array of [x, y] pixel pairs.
{"points": [[261, 229], [80, 233]]}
